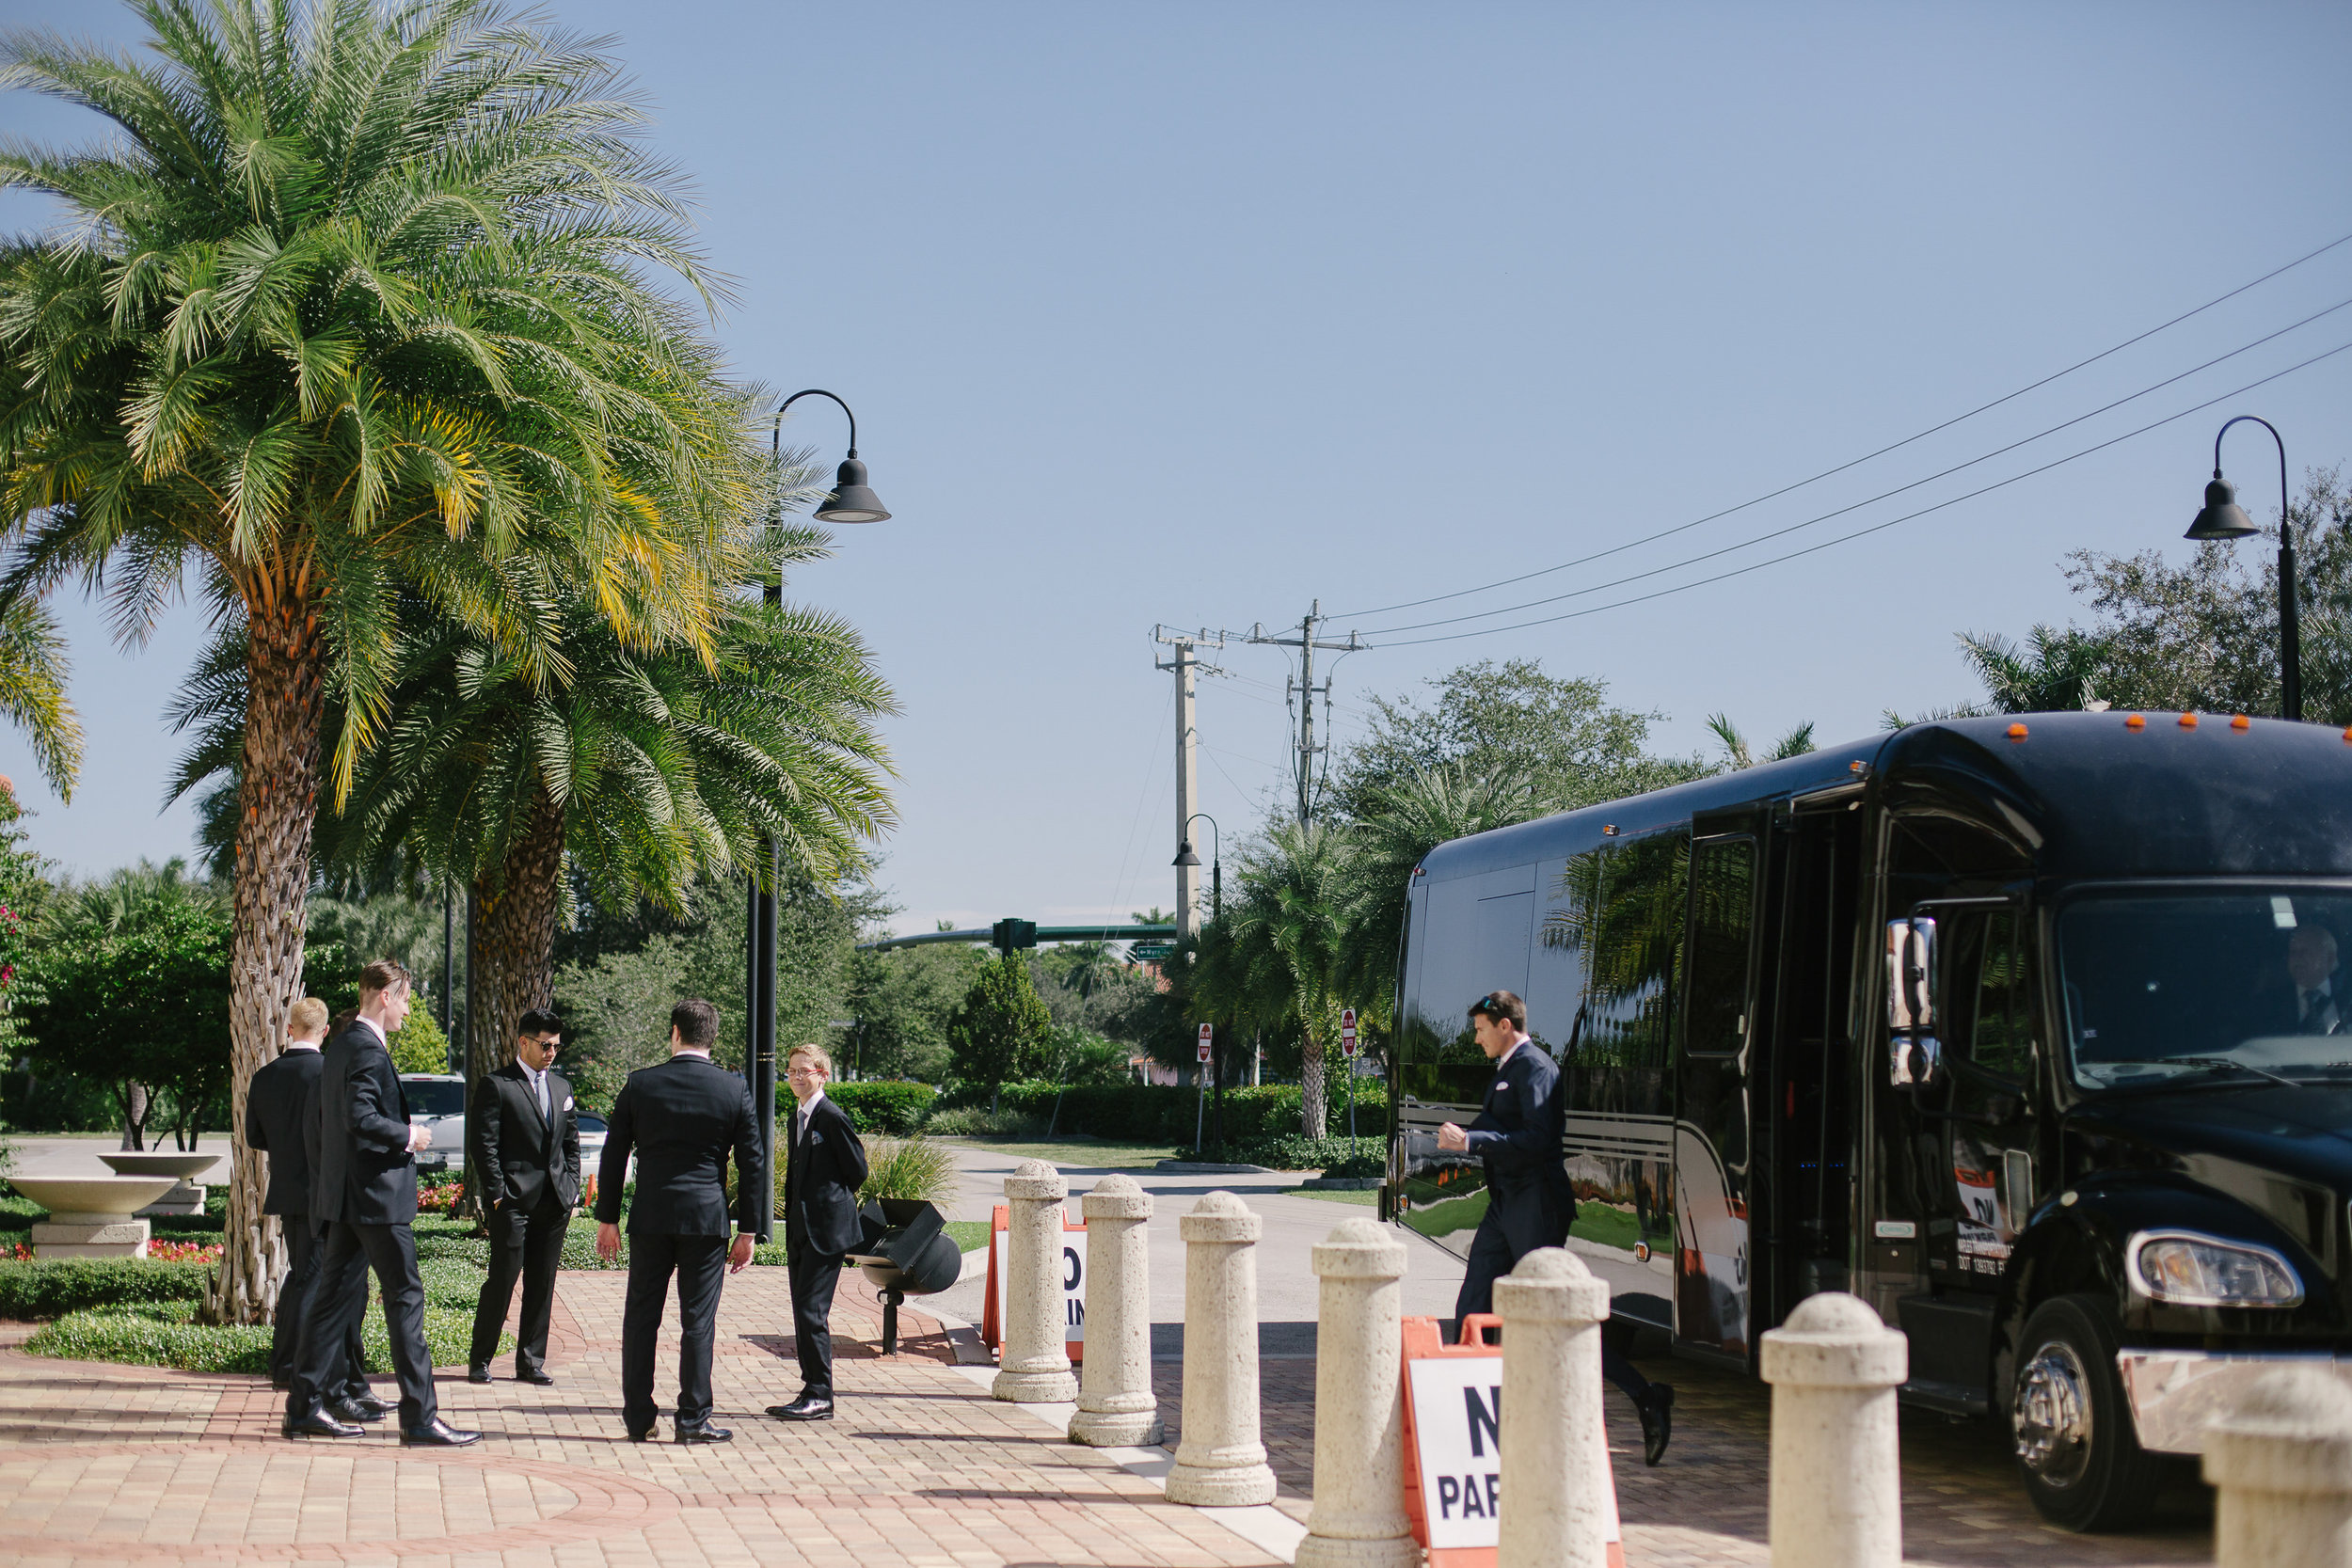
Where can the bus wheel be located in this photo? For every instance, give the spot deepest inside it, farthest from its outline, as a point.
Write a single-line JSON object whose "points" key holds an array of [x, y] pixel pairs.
{"points": [[2082, 1463]]}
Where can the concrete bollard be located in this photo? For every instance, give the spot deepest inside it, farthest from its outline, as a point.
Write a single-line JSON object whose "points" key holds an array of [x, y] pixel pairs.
{"points": [[1116, 1405], [1219, 1460], [1358, 1518], [1036, 1367], [2281, 1460], [1836, 1485], [1556, 1504]]}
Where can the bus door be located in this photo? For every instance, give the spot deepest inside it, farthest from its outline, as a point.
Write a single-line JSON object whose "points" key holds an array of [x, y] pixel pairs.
{"points": [[1715, 1028]]}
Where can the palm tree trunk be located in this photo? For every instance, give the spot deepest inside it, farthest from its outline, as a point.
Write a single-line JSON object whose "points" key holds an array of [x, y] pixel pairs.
{"points": [[513, 947], [1311, 1086], [278, 798]]}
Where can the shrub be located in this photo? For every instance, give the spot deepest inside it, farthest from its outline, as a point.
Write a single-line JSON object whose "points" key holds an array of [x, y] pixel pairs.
{"points": [[1331, 1156], [61, 1285], [978, 1121], [912, 1168], [166, 1335], [1154, 1112], [896, 1109]]}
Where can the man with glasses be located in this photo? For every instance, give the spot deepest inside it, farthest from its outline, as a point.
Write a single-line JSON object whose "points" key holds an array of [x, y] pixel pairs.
{"points": [[523, 1140], [825, 1166]]}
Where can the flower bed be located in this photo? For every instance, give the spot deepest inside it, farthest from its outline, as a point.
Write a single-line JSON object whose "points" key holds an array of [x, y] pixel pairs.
{"points": [[164, 1251]]}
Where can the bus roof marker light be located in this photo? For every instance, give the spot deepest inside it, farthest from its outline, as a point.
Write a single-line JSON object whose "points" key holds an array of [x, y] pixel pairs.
{"points": [[2241, 722], [2136, 722], [1609, 829], [1855, 765], [2017, 732], [2188, 720]]}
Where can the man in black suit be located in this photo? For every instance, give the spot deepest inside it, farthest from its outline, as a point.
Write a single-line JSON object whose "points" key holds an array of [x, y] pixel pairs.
{"points": [[1528, 1202], [825, 1166], [364, 1187], [682, 1119], [525, 1139], [281, 1103]]}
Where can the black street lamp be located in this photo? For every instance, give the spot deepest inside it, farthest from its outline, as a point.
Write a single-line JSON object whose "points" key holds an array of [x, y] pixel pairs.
{"points": [[2223, 519], [1216, 866], [851, 501]]}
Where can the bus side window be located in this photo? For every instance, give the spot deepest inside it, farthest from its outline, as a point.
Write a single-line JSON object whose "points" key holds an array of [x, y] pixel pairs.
{"points": [[1991, 982], [1723, 922], [1624, 908]]}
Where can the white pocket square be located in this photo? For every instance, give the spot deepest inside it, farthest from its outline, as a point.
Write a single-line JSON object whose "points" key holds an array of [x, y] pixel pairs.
{"points": [[567, 1102]]}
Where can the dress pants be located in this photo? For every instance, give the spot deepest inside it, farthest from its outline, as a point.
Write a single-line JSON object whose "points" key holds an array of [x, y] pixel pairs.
{"points": [[340, 1300], [1490, 1259], [700, 1263], [812, 1276], [305, 1250], [529, 1245]]}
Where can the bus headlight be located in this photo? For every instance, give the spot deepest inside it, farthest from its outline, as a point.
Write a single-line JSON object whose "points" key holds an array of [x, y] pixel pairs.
{"points": [[2185, 1269]]}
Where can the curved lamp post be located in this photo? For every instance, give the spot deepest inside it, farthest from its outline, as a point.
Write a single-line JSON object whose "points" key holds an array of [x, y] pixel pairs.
{"points": [[851, 501], [2223, 519], [1216, 866]]}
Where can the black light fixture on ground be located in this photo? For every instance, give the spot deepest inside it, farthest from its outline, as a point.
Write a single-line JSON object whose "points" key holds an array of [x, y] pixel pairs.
{"points": [[1216, 866], [2223, 519], [851, 501]]}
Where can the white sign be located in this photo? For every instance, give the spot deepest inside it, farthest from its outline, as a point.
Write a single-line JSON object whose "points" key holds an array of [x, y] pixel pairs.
{"points": [[1073, 1281], [1207, 1053], [1457, 1425]]}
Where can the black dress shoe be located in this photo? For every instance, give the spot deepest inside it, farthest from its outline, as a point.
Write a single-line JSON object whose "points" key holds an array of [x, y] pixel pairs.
{"points": [[1656, 1408], [371, 1408], [477, 1375], [320, 1424], [645, 1436], [703, 1432], [352, 1410], [808, 1407], [441, 1435], [534, 1376]]}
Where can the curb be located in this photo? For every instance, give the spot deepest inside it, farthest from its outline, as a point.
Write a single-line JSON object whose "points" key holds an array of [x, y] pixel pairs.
{"points": [[1203, 1168]]}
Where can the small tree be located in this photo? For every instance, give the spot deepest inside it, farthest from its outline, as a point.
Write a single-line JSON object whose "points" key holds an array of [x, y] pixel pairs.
{"points": [[1000, 1031]]}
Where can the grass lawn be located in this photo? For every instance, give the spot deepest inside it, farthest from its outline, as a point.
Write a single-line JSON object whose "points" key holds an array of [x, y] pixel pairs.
{"points": [[1369, 1199], [1072, 1153], [971, 1235]]}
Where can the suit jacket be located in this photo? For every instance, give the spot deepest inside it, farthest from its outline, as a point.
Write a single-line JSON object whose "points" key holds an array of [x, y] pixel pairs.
{"points": [[826, 1165], [682, 1117], [364, 1174], [521, 1158], [2284, 1006], [1517, 1136], [280, 1095]]}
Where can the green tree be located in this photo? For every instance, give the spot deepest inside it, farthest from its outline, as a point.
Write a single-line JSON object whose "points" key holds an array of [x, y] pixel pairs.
{"points": [[1287, 945], [420, 1046], [998, 1033], [353, 314], [903, 1000], [1796, 743], [135, 993]]}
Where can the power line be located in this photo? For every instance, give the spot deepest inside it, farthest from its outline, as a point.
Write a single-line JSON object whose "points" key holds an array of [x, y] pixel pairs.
{"points": [[1826, 473], [1875, 527], [1856, 506]]}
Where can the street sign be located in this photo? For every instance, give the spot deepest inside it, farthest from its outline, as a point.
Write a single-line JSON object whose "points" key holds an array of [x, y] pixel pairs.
{"points": [[1150, 952], [1206, 1050], [1347, 1031]]}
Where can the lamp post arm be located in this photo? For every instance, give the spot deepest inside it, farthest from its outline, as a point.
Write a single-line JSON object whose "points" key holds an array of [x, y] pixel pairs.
{"points": [[2290, 618], [814, 392]]}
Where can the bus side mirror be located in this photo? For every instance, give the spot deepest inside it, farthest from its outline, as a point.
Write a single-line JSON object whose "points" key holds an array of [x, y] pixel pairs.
{"points": [[1915, 1058]]}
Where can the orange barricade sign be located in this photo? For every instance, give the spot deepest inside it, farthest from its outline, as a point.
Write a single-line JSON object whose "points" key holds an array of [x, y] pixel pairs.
{"points": [[1074, 1271], [1454, 1445]]}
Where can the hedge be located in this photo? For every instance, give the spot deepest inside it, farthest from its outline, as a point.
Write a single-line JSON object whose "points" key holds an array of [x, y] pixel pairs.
{"points": [[1156, 1114], [889, 1107], [166, 1334], [60, 1284], [1366, 1156]]}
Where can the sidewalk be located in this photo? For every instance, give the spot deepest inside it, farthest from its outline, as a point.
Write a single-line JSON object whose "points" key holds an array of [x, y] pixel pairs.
{"points": [[120, 1466]]}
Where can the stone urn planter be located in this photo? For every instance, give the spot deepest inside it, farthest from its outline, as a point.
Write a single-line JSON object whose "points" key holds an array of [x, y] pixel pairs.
{"points": [[186, 1196], [92, 1216]]}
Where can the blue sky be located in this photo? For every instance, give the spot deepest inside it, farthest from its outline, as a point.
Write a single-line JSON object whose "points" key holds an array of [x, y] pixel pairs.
{"points": [[1198, 313]]}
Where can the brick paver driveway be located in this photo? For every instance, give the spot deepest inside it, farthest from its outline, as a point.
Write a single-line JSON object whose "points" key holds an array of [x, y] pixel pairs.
{"points": [[127, 1466]]}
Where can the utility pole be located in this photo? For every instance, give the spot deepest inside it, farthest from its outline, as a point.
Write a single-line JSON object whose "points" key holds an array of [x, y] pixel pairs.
{"points": [[1187, 782], [1305, 643]]}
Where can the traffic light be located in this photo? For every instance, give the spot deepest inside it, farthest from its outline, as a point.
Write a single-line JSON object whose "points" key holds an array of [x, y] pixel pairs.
{"points": [[1007, 935]]}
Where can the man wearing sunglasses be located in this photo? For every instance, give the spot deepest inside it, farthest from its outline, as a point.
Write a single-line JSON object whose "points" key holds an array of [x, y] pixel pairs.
{"points": [[1528, 1201], [525, 1138]]}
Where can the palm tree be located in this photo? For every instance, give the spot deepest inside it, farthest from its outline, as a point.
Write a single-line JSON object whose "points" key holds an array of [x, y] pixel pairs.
{"points": [[2054, 671], [33, 671], [1285, 931], [352, 317], [647, 770], [1401, 824], [1796, 743]]}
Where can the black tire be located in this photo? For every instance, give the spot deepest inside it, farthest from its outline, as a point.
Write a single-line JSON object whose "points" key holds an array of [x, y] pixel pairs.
{"points": [[2071, 1424]]}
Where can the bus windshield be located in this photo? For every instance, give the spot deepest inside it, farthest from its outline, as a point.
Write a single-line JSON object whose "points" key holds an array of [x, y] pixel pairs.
{"points": [[2236, 982]]}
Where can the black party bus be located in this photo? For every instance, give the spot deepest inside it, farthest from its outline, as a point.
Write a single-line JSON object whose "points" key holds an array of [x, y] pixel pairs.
{"points": [[2032, 1033]]}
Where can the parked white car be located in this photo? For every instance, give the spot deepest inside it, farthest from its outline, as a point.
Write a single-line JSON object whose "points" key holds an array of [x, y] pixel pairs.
{"points": [[438, 1101]]}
